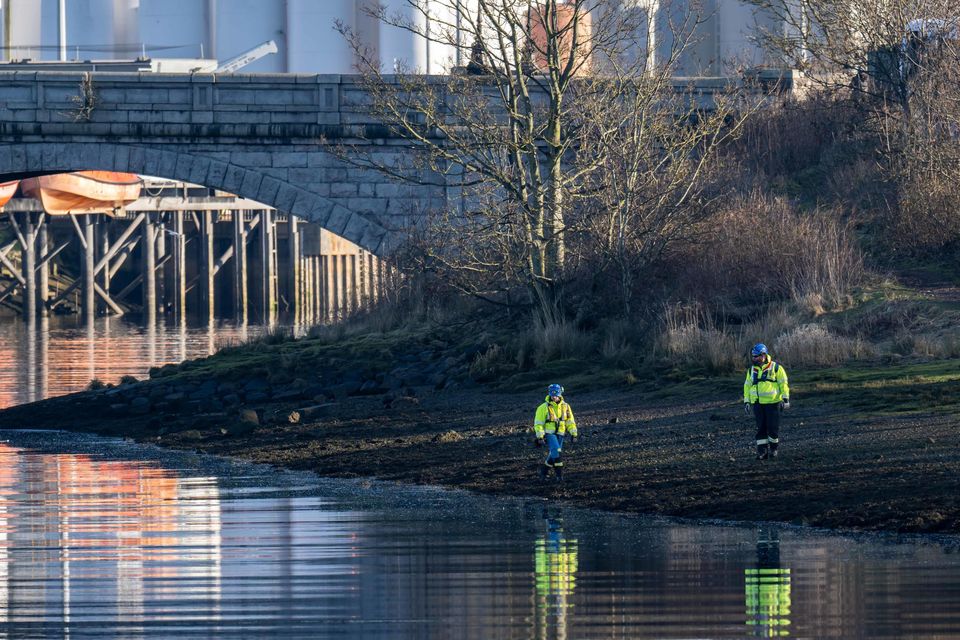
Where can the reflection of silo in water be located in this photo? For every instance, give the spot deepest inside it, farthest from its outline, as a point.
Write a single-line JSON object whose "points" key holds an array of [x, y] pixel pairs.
{"points": [[8, 481], [287, 558], [768, 589], [35, 584], [200, 535], [98, 536]]}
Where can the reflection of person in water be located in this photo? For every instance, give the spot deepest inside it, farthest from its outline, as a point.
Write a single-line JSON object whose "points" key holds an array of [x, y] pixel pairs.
{"points": [[555, 565], [768, 589]]}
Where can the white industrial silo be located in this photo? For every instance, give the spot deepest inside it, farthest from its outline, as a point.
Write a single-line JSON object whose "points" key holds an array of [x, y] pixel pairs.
{"points": [[175, 28], [243, 24], [22, 30], [313, 44], [402, 48], [737, 46], [126, 28], [89, 31], [444, 28]]}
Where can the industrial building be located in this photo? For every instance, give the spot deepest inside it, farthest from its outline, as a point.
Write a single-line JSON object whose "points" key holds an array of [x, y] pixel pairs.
{"points": [[305, 34]]}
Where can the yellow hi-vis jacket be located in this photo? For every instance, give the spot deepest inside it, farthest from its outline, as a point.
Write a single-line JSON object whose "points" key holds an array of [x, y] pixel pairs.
{"points": [[554, 417], [766, 384]]}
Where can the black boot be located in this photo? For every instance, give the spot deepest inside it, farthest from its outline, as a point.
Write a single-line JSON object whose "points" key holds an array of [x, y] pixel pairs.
{"points": [[773, 451], [559, 472], [544, 470], [762, 452]]}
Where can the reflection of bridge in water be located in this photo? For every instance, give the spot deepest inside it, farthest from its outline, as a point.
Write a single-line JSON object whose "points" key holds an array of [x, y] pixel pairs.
{"points": [[58, 355], [183, 249]]}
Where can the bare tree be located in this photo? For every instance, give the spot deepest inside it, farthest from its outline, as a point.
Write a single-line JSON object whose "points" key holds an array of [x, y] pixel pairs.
{"points": [[565, 120], [898, 62]]}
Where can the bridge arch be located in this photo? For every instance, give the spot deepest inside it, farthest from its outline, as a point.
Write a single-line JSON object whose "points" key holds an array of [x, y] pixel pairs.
{"points": [[38, 157]]}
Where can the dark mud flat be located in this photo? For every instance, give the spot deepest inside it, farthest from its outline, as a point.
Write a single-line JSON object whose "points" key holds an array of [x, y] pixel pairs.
{"points": [[837, 469]]}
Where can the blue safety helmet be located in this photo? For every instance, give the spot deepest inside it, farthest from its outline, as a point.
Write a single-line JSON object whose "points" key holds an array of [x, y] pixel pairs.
{"points": [[555, 390], [759, 349]]}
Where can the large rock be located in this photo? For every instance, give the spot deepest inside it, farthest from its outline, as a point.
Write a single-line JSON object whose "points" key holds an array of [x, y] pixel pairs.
{"points": [[257, 384], [315, 411], [206, 390], [287, 394], [249, 416]]}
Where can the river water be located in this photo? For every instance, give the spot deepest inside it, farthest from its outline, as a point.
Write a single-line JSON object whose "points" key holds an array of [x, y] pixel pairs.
{"points": [[112, 539], [61, 356]]}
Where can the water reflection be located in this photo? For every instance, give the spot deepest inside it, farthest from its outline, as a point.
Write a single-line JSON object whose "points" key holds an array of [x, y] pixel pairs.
{"points": [[82, 538], [55, 356], [108, 541], [555, 562], [768, 588]]}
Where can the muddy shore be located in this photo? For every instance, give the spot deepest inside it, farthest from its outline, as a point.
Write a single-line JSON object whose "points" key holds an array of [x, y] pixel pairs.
{"points": [[837, 468]]}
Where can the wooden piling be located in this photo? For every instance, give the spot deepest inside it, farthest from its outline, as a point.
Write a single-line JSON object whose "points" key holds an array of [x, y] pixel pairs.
{"points": [[319, 288], [149, 246], [89, 293], [29, 270], [43, 273], [179, 267], [241, 292], [293, 274], [349, 284], [268, 262], [208, 295], [160, 232], [103, 235]]}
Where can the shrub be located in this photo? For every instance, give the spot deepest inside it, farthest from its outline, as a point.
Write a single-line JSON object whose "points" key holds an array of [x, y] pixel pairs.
{"points": [[560, 340], [814, 345], [489, 365], [691, 337], [615, 346], [759, 249]]}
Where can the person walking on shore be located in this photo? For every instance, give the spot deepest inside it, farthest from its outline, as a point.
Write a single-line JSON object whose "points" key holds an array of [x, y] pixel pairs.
{"points": [[766, 393], [551, 423]]}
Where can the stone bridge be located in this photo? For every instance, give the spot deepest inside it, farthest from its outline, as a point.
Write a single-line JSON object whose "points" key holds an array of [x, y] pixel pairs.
{"points": [[263, 137]]}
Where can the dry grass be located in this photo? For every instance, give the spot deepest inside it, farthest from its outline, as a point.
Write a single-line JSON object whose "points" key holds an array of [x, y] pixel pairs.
{"points": [[813, 345], [761, 249], [692, 335], [557, 341]]}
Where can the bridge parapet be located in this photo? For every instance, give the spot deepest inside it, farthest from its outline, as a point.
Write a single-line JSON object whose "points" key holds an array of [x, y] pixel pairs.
{"points": [[271, 107]]}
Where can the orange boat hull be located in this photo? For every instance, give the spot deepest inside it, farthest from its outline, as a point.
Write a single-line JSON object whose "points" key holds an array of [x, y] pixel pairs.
{"points": [[84, 191], [7, 189]]}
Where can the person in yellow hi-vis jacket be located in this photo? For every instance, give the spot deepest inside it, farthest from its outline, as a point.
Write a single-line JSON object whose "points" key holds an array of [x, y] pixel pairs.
{"points": [[766, 392], [551, 423]]}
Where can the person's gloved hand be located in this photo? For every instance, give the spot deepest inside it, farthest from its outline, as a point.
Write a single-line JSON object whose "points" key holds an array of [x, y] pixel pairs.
{"points": [[574, 439], [786, 403], [746, 408], [538, 442]]}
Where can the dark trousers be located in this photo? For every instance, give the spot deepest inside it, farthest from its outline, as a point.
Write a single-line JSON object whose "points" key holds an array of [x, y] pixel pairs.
{"points": [[767, 417]]}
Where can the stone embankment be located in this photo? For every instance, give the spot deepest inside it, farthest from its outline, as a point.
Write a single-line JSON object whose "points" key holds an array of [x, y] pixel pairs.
{"points": [[173, 400]]}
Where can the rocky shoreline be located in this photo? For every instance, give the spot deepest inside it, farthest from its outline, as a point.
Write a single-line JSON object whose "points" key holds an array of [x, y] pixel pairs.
{"points": [[838, 469]]}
